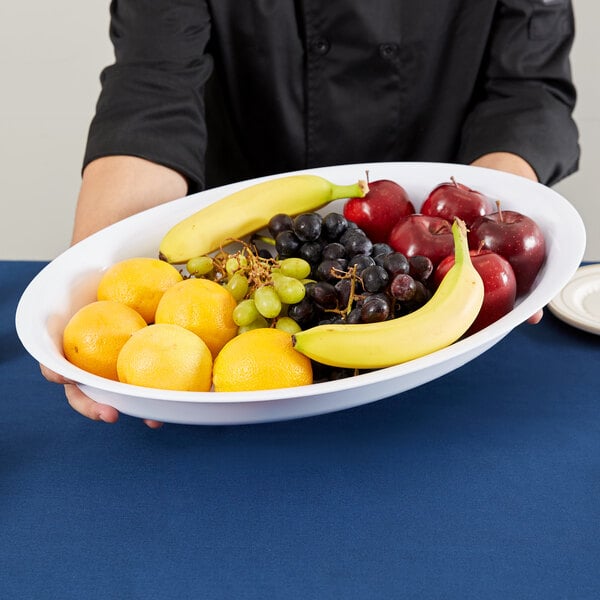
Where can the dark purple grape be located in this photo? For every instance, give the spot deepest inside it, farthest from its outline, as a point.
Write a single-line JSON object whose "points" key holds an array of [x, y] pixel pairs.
{"points": [[403, 287], [343, 288], [421, 297], [328, 320], [422, 294], [323, 372], [310, 252], [302, 312], [334, 225], [375, 309], [396, 263], [358, 243], [333, 250], [353, 317], [380, 251], [307, 226], [361, 261], [351, 230], [287, 244], [280, 222], [374, 278], [323, 294], [421, 267], [326, 269], [308, 285]]}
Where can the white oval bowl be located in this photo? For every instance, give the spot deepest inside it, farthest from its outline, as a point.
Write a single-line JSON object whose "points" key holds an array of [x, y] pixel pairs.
{"points": [[69, 281]]}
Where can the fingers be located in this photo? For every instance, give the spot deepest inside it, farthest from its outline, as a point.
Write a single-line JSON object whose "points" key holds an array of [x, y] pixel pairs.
{"points": [[94, 410], [52, 376], [88, 407], [536, 318], [85, 405]]}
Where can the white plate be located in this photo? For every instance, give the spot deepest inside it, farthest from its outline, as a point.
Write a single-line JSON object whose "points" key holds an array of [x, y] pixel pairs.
{"points": [[578, 303], [70, 280]]}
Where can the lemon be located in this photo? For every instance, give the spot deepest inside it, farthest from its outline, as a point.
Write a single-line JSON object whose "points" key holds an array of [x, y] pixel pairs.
{"points": [[260, 359], [138, 282], [95, 334], [202, 306], [168, 357]]}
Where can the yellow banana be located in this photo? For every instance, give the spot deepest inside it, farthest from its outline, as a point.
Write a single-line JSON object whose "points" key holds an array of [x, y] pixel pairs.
{"points": [[437, 324], [249, 210]]}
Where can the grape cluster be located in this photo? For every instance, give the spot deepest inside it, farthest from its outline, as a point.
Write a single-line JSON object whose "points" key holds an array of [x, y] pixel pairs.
{"points": [[262, 285], [352, 279]]}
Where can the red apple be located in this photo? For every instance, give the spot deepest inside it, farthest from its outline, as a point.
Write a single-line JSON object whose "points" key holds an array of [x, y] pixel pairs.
{"points": [[517, 238], [419, 234], [384, 204], [451, 199], [499, 285]]}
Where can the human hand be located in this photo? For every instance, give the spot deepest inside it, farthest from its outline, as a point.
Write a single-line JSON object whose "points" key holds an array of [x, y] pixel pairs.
{"points": [[84, 404]]}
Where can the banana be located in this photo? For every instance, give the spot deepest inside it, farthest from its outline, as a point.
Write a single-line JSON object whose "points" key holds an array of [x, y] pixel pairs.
{"points": [[248, 210], [437, 324]]}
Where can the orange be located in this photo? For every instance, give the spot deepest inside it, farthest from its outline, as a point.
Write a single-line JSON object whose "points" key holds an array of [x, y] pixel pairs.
{"points": [[168, 357], [95, 334], [138, 282], [202, 306], [260, 359]]}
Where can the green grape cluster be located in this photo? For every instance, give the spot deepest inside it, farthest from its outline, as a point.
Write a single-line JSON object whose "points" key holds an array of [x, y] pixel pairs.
{"points": [[263, 286]]}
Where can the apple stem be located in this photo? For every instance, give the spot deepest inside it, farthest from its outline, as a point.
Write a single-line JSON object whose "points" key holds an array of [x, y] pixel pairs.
{"points": [[367, 176], [453, 181], [499, 210]]}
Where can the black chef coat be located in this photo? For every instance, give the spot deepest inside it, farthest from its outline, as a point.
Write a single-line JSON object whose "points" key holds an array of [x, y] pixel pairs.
{"points": [[223, 90]]}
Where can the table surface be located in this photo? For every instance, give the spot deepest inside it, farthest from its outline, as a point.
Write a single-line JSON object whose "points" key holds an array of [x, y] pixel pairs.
{"points": [[482, 484]]}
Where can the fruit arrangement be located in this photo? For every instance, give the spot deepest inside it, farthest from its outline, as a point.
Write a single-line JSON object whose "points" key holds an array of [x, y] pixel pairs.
{"points": [[265, 288]]}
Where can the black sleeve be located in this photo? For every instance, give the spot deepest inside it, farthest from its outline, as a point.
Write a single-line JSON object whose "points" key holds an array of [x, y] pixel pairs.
{"points": [[528, 95], [151, 103]]}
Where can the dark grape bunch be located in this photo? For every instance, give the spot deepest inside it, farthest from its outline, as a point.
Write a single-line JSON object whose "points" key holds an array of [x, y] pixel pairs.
{"points": [[316, 270], [352, 280]]}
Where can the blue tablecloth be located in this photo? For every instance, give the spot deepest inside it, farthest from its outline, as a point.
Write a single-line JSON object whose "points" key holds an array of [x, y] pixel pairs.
{"points": [[483, 484]]}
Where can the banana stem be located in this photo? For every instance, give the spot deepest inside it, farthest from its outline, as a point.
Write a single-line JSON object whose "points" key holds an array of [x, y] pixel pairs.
{"points": [[354, 190], [264, 238], [461, 246]]}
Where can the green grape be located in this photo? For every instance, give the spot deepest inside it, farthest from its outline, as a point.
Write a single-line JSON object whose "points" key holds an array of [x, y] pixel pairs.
{"points": [[245, 313], [294, 267], [267, 301], [259, 323], [289, 290], [288, 324], [200, 265], [235, 263], [238, 286]]}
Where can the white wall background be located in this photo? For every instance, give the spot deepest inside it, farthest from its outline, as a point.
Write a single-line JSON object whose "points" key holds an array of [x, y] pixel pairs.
{"points": [[50, 57]]}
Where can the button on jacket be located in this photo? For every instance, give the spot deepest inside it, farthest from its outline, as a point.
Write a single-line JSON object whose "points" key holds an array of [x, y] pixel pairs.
{"points": [[223, 90]]}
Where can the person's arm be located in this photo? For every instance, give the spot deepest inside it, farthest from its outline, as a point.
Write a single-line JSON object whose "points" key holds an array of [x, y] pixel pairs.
{"points": [[526, 96], [151, 103], [507, 162], [115, 187]]}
